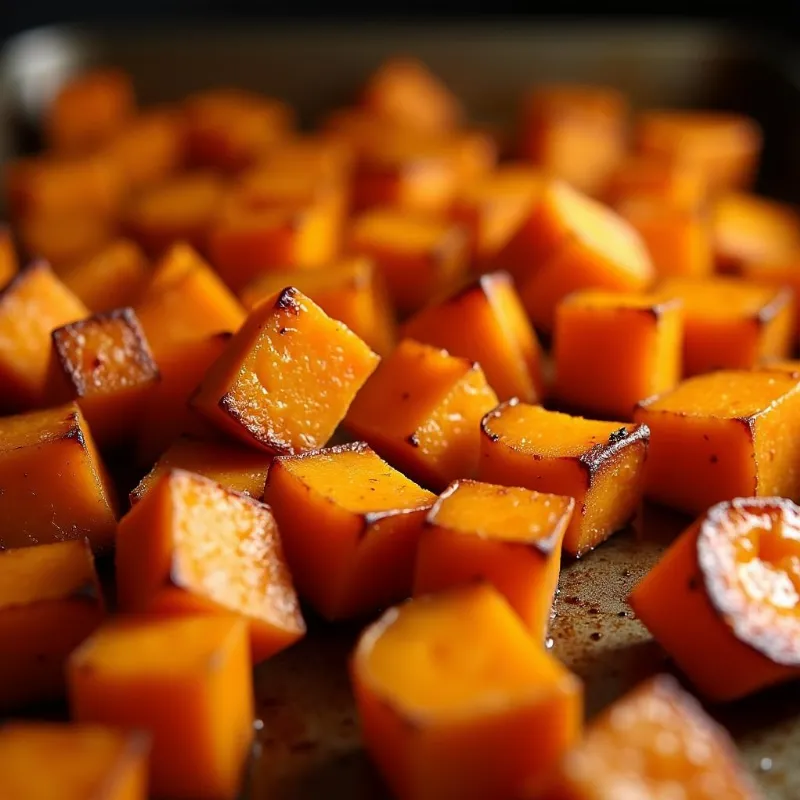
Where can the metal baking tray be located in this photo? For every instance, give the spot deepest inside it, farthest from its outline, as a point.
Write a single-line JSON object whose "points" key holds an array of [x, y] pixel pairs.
{"points": [[308, 741]]}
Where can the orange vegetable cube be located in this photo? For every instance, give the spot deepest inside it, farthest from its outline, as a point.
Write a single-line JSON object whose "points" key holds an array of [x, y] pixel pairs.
{"points": [[269, 185], [53, 485], [104, 364], [286, 378], [50, 602], [723, 435], [704, 604], [485, 322], [361, 130], [84, 762], [315, 155], [88, 110], [613, 350], [191, 545], [349, 525], [457, 700], [510, 537], [778, 273], [351, 291], [599, 464], [189, 685], [9, 265], [419, 257], [730, 323]]}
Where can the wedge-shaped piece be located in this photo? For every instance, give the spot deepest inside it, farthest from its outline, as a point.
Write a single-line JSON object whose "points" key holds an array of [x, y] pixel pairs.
{"points": [[421, 411], [613, 350], [458, 701], [510, 537], [778, 273], [9, 265], [723, 435], [286, 379], [191, 545], [485, 322], [599, 464], [420, 257], [50, 602], [64, 239], [721, 600], [623, 751], [349, 525], [104, 364], [84, 762], [187, 680], [730, 323], [53, 485]]}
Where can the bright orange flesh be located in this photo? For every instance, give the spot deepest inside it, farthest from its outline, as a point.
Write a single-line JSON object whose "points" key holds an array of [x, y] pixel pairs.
{"points": [[8, 256]]}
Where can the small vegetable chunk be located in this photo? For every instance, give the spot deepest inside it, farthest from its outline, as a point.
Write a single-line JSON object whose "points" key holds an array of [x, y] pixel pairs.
{"points": [[50, 601], [721, 600], [623, 751], [9, 265], [191, 545], [286, 379], [613, 350], [723, 435], [730, 323], [783, 272], [508, 536], [421, 411], [104, 364], [458, 701], [64, 239], [486, 322], [53, 485], [349, 525], [189, 685], [599, 464], [83, 762]]}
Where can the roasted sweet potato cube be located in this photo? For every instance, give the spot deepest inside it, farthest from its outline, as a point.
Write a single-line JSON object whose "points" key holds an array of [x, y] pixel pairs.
{"points": [[286, 378], [88, 110], [31, 306], [191, 545], [9, 264], [730, 323], [50, 601], [613, 350], [189, 685], [104, 364], [485, 321], [421, 411], [84, 762], [732, 639], [236, 468], [361, 130], [420, 257], [778, 273], [349, 525], [314, 154], [722, 435], [456, 699], [508, 536], [351, 291], [599, 464], [270, 185], [624, 747]]}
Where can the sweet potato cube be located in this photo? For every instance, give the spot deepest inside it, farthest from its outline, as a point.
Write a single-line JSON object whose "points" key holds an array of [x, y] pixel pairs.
{"points": [[508, 536], [730, 323], [780, 272], [9, 265], [419, 257], [31, 306], [236, 468], [191, 545], [88, 110], [351, 291], [189, 685], [271, 185], [624, 747], [613, 350], [703, 605], [456, 699], [53, 485], [314, 155], [50, 601], [486, 322], [723, 435], [84, 762], [286, 378], [361, 130], [599, 464], [421, 411]]}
